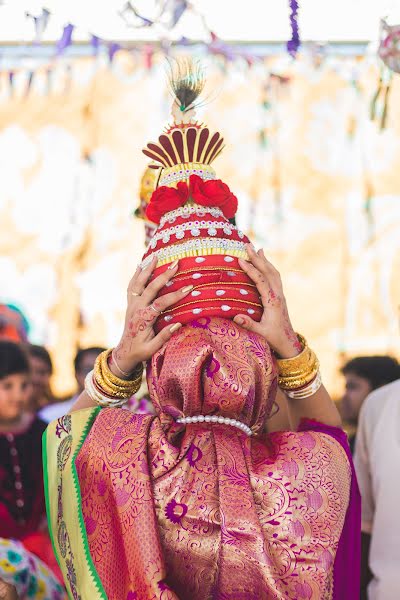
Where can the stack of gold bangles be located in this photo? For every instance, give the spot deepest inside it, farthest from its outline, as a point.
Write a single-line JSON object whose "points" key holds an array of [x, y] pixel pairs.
{"points": [[299, 377], [108, 390]]}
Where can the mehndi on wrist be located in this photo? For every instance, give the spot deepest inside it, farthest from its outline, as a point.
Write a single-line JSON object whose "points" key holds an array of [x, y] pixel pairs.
{"points": [[108, 390], [299, 376]]}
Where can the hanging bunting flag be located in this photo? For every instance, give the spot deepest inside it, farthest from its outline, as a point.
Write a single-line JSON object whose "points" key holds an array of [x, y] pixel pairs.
{"points": [[95, 43], [66, 39], [148, 52], [112, 49], [217, 46], [294, 43], [177, 10], [132, 18], [40, 23]]}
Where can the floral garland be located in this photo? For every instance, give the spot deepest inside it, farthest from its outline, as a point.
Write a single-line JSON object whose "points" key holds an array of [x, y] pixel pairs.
{"points": [[294, 43], [213, 193]]}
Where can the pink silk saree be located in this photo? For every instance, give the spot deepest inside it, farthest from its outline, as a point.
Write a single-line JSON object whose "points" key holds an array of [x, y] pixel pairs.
{"points": [[141, 507]]}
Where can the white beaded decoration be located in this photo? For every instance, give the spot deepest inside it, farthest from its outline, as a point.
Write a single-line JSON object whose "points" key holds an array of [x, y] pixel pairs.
{"points": [[191, 209], [225, 307], [220, 292], [185, 174], [195, 229], [216, 419]]}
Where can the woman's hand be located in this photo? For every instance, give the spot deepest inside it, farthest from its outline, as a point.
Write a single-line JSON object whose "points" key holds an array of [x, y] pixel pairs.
{"points": [[138, 341], [275, 325]]}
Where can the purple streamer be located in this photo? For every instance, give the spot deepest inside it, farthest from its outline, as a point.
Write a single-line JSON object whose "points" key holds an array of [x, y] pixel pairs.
{"points": [[179, 8], [112, 49], [294, 43], [95, 43], [66, 39]]}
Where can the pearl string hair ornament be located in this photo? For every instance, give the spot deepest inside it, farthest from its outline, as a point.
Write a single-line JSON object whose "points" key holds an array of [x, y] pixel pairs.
{"points": [[216, 419]]}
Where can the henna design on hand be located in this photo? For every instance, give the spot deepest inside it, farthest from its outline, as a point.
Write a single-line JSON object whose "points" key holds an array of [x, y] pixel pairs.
{"points": [[139, 322]]}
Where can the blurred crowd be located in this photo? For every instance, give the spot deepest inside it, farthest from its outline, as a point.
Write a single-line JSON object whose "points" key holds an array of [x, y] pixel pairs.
{"points": [[370, 408]]}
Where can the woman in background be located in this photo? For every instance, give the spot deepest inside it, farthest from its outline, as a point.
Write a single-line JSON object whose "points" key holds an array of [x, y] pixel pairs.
{"points": [[22, 503], [22, 506]]}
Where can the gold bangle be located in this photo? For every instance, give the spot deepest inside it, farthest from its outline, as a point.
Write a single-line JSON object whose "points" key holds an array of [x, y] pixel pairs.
{"points": [[107, 385], [110, 383], [108, 389], [294, 383], [298, 371], [113, 379]]}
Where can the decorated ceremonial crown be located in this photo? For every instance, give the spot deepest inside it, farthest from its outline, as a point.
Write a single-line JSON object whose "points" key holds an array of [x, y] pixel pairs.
{"points": [[193, 210]]}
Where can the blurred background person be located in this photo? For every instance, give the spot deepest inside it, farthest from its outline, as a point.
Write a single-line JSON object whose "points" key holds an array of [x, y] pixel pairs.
{"points": [[23, 575], [363, 374], [22, 503], [41, 369], [22, 508], [83, 363], [14, 325], [377, 461]]}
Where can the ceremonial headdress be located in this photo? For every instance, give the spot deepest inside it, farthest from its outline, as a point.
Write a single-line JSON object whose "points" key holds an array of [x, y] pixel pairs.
{"points": [[194, 212]]}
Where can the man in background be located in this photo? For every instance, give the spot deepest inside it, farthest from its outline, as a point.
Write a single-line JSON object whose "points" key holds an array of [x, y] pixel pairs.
{"points": [[83, 363], [377, 460], [364, 374], [41, 368]]}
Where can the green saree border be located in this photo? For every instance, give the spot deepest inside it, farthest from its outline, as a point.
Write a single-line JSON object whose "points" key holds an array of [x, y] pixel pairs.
{"points": [[76, 499]]}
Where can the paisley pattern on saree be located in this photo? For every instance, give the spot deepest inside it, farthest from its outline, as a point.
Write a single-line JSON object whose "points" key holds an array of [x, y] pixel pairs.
{"points": [[203, 511], [61, 443]]}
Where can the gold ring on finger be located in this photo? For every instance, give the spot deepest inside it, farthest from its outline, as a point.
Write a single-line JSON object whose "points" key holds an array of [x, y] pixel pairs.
{"points": [[134, 294], [155, 310]]}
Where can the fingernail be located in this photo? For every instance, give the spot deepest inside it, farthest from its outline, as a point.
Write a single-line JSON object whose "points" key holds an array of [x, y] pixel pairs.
{"points": [[175, 327], [252, 247], [239, 320], [186, 289], [261, 252], [173, 264]]}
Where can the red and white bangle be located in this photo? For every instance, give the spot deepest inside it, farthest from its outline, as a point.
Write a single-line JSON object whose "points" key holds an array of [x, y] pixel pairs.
{"points": [[307, 390]]}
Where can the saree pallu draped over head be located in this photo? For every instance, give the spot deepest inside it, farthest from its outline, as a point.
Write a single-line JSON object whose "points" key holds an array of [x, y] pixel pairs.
{"points": [[142, 507]]}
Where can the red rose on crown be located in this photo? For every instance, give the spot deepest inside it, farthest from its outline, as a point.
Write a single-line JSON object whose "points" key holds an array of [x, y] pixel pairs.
{"points": [[164, 199], [206, 193], [213, 193]]}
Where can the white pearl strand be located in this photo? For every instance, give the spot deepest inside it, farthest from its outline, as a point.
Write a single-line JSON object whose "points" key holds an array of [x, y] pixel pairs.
{"points": [[216, 419]]}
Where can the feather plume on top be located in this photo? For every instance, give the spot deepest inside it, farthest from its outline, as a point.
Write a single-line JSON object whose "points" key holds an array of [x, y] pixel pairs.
{"points": [[186, 81]]}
